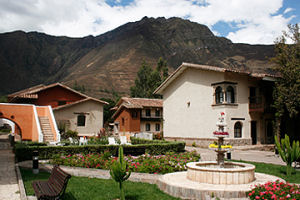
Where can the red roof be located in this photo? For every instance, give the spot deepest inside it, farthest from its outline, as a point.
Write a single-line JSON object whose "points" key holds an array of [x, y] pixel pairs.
{"points": [[137, 103]]}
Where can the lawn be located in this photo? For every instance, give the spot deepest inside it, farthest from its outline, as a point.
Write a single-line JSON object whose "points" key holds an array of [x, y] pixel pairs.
{"points": [[97, 189], [276, 170]]}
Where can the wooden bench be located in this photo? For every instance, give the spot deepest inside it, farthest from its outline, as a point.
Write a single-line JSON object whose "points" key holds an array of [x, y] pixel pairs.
{"points": [[54, 187]]}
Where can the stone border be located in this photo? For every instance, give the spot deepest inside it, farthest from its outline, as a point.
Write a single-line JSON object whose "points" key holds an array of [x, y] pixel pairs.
{"points": [[243, 174], [20, 183], [95, 173], [177, 185]]}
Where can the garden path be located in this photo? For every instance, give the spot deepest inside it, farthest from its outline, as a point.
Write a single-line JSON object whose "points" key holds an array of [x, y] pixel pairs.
{"points": [[9, 188], [242, 154]]}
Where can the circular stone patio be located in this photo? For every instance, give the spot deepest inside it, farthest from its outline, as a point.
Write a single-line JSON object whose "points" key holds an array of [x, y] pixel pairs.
{"points": [[177, 185]]}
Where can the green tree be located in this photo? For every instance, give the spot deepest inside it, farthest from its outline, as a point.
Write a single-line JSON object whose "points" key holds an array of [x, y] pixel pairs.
{"points": [[148, 80], [287, 87], [3, 99]]}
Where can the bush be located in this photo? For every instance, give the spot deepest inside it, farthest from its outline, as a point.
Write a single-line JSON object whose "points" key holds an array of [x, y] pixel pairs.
{"points": [[96, 140], [171, 162], [24, 152], [275, 190], [135, 140]]}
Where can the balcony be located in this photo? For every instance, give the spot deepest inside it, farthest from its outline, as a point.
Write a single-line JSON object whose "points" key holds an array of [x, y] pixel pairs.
{"points": [[151, 118], [256, 104]]}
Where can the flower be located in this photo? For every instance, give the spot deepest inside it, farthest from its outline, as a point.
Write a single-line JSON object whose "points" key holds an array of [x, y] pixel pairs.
{"points": [[222, 113]]}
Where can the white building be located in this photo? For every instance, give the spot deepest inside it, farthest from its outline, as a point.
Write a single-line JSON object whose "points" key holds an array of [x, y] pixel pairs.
{"points": [[195, 95]]}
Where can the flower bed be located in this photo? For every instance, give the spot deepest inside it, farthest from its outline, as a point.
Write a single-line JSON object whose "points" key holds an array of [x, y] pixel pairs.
{"points": [[160, 164], [275, 190]]}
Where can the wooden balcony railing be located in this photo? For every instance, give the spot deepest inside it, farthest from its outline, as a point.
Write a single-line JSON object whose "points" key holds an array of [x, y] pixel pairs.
{"points": [[256, 104]]}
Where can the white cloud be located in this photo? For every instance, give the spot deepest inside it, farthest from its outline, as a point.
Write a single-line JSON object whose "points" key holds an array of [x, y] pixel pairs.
{"points": [[258, 20], [288, 10]]}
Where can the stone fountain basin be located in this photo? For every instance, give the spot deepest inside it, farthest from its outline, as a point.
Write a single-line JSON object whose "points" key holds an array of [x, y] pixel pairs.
{"points": [[210, 172]]}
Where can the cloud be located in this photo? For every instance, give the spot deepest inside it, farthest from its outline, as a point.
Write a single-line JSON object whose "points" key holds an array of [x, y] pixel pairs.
{"points": [[257, 21]]}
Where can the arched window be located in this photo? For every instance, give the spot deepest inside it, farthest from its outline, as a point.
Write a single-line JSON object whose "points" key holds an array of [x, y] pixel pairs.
{"points": [[238, 130], [219, 95], [230, 94]]}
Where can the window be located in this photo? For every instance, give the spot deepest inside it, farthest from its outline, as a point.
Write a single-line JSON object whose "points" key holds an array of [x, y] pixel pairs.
{"points": [[157, 113], [134, 114], [81, 120], [238, 130], [147, 127], [157, 127], [230, 94], [148, 112], [219, 95], [60, 103], [123, 121]]}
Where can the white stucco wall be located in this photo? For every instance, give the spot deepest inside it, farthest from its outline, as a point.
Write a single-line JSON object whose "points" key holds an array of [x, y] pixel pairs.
{"points": [[188, 105], [94, 117]]}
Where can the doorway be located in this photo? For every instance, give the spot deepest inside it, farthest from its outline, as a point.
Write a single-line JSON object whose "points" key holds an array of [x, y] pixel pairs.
{"points": [[254, 132]]}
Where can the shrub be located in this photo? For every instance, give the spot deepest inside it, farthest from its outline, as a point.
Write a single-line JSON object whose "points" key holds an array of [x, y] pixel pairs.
{"points": [[96, 140], [194, 144], [145, 141], [24, 152], [71, 134], [146, 163], [288, 153], [275, 190], [119, 172]]}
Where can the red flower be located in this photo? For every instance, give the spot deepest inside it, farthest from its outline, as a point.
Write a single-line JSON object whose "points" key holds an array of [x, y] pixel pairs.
{"points": [[222, 113]]}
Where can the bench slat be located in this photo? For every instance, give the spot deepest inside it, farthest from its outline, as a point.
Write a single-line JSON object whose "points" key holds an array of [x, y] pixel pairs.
{"points": [[55, 186]]}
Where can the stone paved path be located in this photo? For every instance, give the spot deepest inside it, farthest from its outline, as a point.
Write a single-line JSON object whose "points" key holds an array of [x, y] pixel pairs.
{"points": [[9, 188], [240, 154]]}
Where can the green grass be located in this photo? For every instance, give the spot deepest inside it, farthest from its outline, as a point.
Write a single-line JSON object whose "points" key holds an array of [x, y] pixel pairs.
{"points": [[276, 170], [98, 189]]}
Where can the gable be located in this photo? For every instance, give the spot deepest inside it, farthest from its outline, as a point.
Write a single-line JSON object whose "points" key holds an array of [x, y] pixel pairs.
{"points": [[56, 96]]}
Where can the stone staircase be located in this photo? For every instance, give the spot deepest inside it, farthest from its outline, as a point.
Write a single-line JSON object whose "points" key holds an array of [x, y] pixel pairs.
{"points": [[46, 129]]}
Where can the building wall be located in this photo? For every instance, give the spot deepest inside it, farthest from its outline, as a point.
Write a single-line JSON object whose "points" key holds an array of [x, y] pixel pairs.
{"points": [[94, 117], [152, 126], [126, 122], [24, 117], [189, 109], [52, 95]]}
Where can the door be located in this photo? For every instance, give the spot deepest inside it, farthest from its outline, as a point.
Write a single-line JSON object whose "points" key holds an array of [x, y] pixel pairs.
{"points": [[269, 132], [254, 132]]}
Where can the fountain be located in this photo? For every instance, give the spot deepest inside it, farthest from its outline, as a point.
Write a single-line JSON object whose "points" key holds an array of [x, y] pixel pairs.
{"points": [[226, 180], [220, 172]]}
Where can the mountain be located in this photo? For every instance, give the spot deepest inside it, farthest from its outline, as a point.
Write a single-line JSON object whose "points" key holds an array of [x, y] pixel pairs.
{"points": [[109, 62]]}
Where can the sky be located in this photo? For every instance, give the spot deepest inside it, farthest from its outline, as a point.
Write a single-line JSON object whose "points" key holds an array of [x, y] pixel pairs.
{"points": [[241, 21]]}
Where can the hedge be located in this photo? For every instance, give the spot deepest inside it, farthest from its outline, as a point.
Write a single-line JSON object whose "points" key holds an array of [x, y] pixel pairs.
{"points": [[146, 141], [24, 152]]}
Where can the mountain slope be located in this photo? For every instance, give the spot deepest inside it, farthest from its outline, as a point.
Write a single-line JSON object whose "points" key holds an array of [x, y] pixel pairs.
{"points": [[109, 62]]}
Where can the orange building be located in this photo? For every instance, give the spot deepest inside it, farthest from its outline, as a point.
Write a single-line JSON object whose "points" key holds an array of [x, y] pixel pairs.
{"points": [[135, 115], [71, 109]]}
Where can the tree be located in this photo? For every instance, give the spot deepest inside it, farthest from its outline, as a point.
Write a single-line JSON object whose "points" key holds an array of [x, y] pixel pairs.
{"points": [[287, 87], [148, 80]]}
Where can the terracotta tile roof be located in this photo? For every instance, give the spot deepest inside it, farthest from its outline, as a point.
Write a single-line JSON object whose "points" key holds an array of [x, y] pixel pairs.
{"points": [[32, 92], [78, 102], [184, 66], [136, 103], [140, 102]]}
